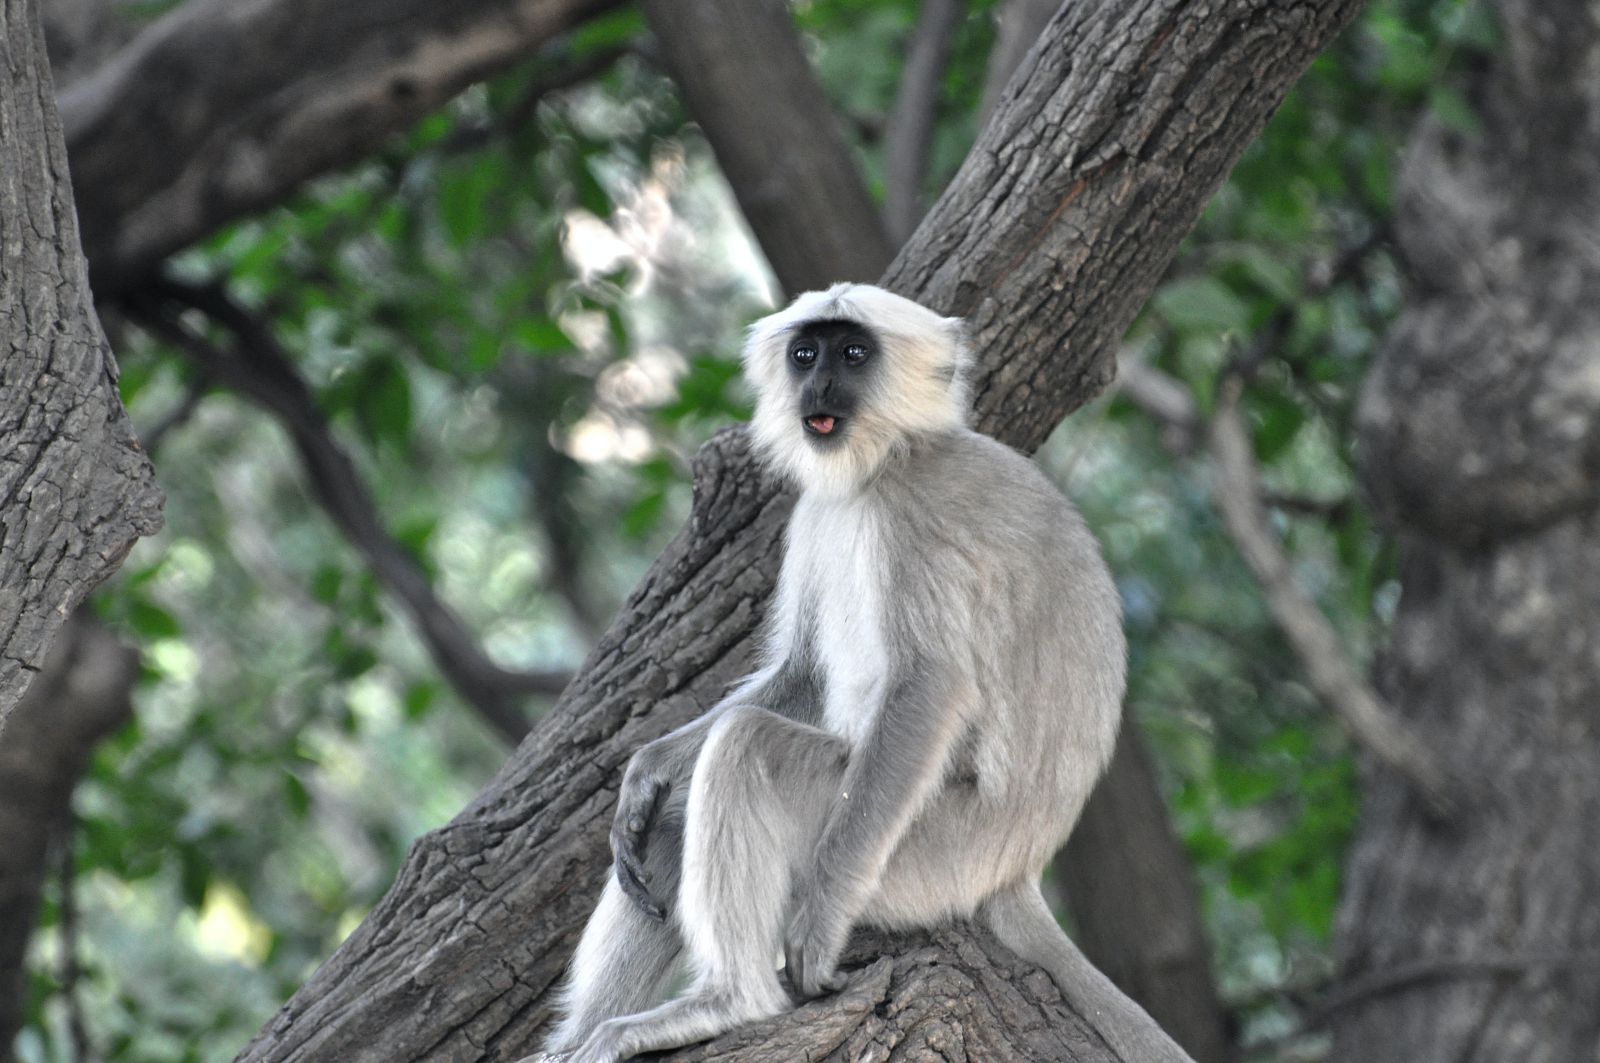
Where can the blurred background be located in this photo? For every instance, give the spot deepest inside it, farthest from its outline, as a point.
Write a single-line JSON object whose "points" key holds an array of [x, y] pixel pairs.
{"points": [[424, 420]]}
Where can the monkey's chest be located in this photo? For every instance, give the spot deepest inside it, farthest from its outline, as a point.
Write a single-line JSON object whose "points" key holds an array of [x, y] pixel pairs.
{"points": [[843, 589]]}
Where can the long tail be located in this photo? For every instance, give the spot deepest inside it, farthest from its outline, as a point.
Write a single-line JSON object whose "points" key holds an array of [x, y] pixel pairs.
{"points": [[1022, 921]]}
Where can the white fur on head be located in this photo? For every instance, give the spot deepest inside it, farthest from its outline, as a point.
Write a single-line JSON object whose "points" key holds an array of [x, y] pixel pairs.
{"points": [[920, 386]]}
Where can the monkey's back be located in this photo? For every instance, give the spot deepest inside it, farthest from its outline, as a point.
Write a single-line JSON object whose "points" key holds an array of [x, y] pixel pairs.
{"points": [[991, 565]]}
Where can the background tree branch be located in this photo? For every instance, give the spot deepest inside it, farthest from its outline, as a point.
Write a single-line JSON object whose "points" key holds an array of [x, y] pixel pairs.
{"points": [[1327, 668], [1100, 172], [908, 137], [258, 369], [724, 55], [83, 694], [1136, 905], [218, 109], [1021, 24]]}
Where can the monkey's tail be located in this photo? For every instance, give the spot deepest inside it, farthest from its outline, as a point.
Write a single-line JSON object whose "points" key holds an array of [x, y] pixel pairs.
{"points": [[1019, 917]]}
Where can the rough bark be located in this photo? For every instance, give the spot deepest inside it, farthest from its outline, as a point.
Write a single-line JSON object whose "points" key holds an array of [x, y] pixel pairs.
{"points": [[1480, 439], [75, 489], [220, 108], [82, 695], [708, 45], [1049, 239], [1136, 906]]}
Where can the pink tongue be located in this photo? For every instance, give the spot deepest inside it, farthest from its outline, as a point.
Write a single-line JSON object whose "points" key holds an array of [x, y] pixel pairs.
{"points": [[822, 424]]}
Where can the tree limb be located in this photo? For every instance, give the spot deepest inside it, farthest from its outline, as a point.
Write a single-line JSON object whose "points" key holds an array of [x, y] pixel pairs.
{"points": [[722, 55], [1236, 491], [1329, 671], [259, 370], [1049, 239], [82, 694], [909, 139], [220, 109]]}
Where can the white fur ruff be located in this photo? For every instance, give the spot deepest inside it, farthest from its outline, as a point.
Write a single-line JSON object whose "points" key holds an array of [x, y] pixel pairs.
{"points": [[925, 365]]}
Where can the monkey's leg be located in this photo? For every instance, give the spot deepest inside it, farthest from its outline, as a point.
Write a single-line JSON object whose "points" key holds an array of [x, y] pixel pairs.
{"points": [[626, 957], [760, 794], [623, 963]]}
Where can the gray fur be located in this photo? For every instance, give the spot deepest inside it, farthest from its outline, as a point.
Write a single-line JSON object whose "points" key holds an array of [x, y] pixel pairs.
{"points": [[944, 678]]}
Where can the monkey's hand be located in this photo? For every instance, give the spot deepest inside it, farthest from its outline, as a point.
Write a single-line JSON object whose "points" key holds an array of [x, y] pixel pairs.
{"points": [[815, 938], [644, 788]]}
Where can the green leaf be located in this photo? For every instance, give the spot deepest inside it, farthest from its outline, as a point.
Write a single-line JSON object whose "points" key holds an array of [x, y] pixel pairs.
{"points": [[644, 515], [1281, 419], [1453, 110], [419, 698], [296, 794], [150, 621], [325, 584], [1193, 304], [541, 335], [383, 402]]}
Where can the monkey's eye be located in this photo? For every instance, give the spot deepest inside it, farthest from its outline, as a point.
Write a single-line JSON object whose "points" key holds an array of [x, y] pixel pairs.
{"points": [[855, 353], [803, 356]]}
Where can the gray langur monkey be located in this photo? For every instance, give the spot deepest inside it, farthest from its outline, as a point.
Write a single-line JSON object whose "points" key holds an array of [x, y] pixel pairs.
{"points": [[941, 688]]}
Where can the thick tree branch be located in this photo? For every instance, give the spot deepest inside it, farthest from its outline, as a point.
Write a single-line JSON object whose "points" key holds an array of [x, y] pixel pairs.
{"points": [[909, 139], [75, 489], [220, 109], [723, 55], [258, 369], [1049, 239]]}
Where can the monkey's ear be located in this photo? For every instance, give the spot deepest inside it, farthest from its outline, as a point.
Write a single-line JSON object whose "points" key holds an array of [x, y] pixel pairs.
{"points": [[960, 337]]}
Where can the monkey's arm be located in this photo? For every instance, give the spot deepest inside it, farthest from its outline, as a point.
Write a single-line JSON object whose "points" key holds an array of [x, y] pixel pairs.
{"points": [[887, 781], [663, 767]]}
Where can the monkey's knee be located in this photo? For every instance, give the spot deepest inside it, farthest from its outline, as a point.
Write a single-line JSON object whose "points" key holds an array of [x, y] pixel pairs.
{"points": [[754, 749]]}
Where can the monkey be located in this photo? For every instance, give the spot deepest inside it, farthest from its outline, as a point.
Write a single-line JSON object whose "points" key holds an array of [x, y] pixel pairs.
{"points": [[940, 686]]}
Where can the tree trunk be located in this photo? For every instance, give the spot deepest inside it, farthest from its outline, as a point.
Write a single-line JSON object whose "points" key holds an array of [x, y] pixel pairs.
{"points": [[75, 489], [1480, 434], [1049, 240]]}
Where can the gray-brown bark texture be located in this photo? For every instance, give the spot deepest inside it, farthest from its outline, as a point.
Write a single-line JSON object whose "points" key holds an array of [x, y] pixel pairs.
{"points": [[220, 108], [724, 55], [75, 489], [1480, 435], [1049, 239]]}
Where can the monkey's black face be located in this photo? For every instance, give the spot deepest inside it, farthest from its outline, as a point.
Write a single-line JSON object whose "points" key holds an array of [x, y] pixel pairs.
{"points": [[831, 364]]}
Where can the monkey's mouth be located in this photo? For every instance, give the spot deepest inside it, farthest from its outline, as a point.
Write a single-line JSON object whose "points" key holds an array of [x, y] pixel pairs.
{"points": [[822, 424]]}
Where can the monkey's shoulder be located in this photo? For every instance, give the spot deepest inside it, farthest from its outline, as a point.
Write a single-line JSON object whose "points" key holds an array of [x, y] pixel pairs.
{"points": [[968, 477]]}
